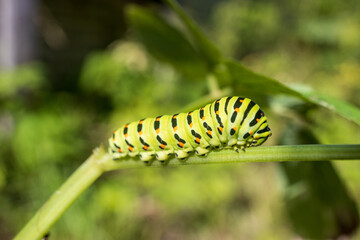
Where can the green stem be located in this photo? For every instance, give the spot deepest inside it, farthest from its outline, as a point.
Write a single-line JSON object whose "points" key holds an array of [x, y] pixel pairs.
{"points": [[285, 153], [52, 210], [100, 162]]}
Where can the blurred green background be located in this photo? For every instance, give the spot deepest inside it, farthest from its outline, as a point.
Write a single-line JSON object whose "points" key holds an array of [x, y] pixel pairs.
{"points": [[74, 71]]}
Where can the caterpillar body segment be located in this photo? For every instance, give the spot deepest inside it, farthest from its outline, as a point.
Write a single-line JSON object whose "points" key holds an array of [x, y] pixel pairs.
{"points": [[227, 122]]}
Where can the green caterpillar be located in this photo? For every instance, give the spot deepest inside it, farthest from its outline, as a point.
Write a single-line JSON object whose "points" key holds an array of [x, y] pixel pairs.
{"points": [[227, 122]]}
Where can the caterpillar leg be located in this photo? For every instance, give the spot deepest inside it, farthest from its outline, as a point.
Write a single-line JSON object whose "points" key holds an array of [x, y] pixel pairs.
{"points": [[201, 151], [146, 156], [237, 149], [181, 154], [164, 155]]}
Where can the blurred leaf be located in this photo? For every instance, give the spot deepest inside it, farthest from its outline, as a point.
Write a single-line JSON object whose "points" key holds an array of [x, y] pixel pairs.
{"points": [[165, 42], [125, 75], [325, 31], [160, 37], [234, 30], [105, 74], [204, 46], [317, 201], [341, 107], [247, 81], [25, 78], [45, 137], [2, 177]]}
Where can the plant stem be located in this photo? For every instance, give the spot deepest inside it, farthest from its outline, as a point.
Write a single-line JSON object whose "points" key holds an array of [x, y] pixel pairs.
{"points": [[52, 210], [100, 162], [284, 153]]}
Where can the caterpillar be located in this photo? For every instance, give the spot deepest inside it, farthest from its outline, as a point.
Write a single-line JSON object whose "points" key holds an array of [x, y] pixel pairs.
{"points": [[235, 122]]}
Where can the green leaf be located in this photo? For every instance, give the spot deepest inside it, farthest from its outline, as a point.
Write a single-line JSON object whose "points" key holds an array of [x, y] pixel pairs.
{"points": [[247, 81], [168, 44], [317, 200], [165, 42], [204, 46], [341, 107]]}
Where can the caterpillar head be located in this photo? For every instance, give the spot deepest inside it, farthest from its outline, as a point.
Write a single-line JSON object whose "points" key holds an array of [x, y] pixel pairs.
{"points": [[261, 134]]}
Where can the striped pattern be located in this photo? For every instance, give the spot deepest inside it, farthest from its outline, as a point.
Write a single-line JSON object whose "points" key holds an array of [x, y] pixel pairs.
{"points": [[227, 122]]}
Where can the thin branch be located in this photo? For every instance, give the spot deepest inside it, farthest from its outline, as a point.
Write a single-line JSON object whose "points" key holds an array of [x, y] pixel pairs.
{"points": [[285, 153], [100, 162], [52, 210]]}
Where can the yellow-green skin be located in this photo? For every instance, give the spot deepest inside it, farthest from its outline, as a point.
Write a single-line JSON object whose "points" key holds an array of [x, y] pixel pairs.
{"points": [[228, 122]]}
